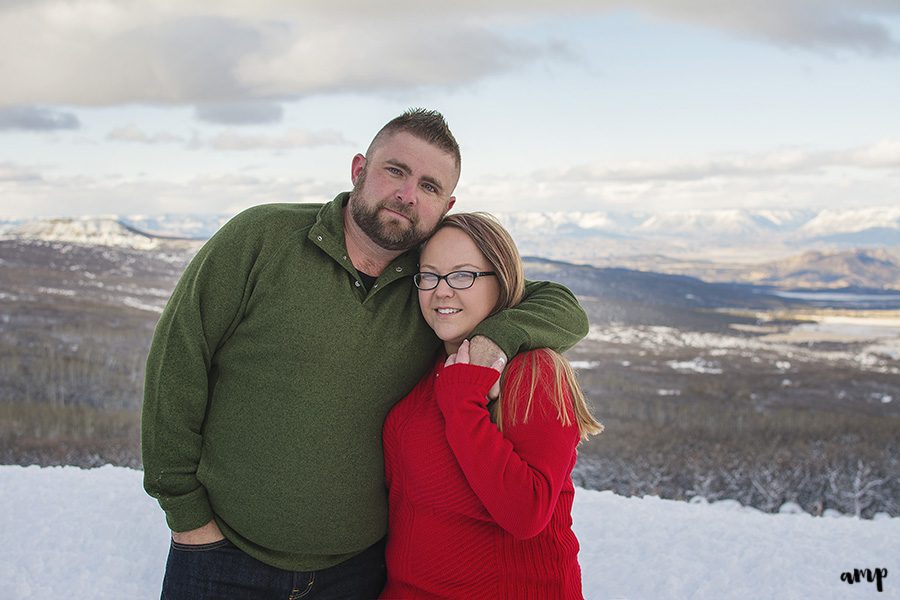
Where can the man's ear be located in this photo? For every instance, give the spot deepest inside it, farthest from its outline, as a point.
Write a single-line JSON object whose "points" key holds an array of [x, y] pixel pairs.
{"points": [[357, 166], [451, 203]]}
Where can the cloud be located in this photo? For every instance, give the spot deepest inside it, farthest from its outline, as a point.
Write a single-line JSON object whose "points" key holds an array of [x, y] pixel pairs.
{"points": [[524, 195], [133, 133], [231, 140], [790, 161], [864, 175], [881, 155], [362, 57], [294, 138], [33, 118], [205, 194], [11, 172], [100, 53], [819, 25], [110, 52], [240, 113]]}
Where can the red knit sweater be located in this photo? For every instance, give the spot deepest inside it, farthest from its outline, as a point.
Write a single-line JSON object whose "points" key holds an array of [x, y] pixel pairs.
{"points": [[476, 513]]}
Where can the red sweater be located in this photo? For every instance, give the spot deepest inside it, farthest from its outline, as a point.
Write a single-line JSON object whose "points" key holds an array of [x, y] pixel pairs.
{"points": [[476, 513]]}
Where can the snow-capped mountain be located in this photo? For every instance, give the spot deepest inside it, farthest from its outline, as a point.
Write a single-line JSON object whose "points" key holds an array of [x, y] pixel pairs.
{"points": [[95, 231], [738, 236], [830, 221], [195, 227], [738, 225], [101, 231], [735, 227], [716, 245], [722, 223]]}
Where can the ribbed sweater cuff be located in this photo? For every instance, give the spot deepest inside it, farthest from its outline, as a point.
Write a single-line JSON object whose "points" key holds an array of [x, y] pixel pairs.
{"points": [[187, 512], [464, 382]]}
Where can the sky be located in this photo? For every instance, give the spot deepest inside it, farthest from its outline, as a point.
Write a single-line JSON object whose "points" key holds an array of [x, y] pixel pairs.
{"points": [[159, 107]]}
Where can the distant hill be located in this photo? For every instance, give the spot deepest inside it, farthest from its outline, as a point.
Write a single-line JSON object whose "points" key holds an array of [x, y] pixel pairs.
{"points": [[98, 231], [883, 236], [632, 297], [867, 268]]}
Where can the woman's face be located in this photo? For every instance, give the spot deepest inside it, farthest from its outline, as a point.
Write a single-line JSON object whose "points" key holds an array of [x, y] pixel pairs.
{"points": [[453, 314]]}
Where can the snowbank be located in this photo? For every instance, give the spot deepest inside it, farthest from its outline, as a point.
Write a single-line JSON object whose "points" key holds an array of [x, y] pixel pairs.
{"points": [[94, 534]]}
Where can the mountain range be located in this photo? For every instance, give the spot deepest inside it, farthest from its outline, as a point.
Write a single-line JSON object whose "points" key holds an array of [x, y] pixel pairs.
{"points": [[797, 249], [691, 378], [729, 236]]}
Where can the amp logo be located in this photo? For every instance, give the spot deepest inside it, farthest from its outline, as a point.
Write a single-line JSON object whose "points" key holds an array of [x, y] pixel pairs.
{"points": [[875, 576]]}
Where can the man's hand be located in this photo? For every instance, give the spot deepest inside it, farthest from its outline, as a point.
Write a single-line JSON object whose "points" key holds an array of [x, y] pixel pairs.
{"points": [[485, 353], [207, 534]]}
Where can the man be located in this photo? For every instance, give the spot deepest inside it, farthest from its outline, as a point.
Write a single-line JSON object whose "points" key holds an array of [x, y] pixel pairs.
{"points": [[285, 343]]}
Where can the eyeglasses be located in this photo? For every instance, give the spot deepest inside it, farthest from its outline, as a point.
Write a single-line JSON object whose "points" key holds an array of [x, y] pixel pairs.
{"points": [[458, 280]]}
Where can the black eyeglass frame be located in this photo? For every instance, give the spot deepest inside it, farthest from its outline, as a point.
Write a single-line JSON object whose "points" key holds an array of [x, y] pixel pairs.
{"points": [[475, 275]]}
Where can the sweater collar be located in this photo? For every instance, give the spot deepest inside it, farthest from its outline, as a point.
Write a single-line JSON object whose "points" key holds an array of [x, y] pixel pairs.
{"points": [[328, 234]]}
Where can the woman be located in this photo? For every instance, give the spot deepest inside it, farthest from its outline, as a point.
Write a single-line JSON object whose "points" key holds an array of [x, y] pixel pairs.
{"points": [[480, 492]]}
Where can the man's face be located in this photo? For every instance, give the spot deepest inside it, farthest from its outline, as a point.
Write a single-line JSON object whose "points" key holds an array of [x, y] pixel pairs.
{"points": [[401, 192]]}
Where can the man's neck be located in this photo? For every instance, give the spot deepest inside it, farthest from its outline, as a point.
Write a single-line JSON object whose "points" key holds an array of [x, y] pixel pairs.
{"points": [[366, 256]]}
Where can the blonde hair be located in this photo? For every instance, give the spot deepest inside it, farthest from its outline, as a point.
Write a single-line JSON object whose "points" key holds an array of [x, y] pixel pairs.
{"points": [[500, 250]]}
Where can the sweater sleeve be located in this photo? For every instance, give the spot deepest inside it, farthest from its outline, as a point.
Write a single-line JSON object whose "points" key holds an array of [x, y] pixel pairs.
{"points": [[203, 310], [549, 316], [517, 474]]}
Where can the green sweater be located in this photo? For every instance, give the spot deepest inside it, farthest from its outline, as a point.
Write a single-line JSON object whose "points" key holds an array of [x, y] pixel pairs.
{"points": [[271, 372]]}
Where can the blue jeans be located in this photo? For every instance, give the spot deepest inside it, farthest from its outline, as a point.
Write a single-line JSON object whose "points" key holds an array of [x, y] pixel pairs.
{"points": [[220, 571]]}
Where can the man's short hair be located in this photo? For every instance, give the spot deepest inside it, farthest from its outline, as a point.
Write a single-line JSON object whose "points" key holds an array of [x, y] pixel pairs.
{"points": [[427, 125]]}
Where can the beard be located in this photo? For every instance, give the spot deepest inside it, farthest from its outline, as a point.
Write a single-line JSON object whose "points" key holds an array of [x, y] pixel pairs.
{"points": [[390, 235]]}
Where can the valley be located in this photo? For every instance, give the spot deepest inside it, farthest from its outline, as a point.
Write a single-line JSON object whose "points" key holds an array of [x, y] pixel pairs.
{"points": [[707, 390]]}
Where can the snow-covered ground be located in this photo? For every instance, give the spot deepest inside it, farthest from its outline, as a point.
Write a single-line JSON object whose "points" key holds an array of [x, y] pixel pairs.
{"points": [[94, 534], [878, 356]]}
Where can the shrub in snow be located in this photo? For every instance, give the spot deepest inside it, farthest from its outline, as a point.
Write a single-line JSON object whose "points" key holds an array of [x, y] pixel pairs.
{"points": [[791, 508]]}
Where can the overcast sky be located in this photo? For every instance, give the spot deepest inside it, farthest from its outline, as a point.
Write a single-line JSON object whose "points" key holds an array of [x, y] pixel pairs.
{"points": [[183, 106]]}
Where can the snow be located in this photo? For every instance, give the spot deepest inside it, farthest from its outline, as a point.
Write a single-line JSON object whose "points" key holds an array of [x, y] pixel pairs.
{"points": [[105, 231], [94, 534], [829, 221], [697, 365], [135, 303], [584, 364], [876, 357], [665, 392], [710, 222]]}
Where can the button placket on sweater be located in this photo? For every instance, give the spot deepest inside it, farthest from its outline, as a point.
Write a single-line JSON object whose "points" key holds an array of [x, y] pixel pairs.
{"points": [[339, 254], [321, 239]]}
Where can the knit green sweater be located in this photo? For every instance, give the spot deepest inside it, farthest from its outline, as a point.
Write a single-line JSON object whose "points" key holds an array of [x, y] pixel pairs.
{"points": [[271, 372]]}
